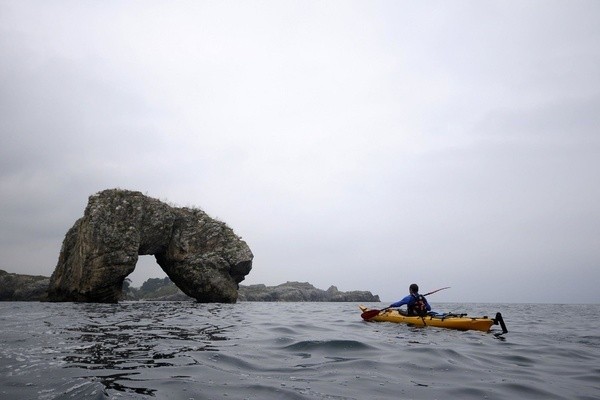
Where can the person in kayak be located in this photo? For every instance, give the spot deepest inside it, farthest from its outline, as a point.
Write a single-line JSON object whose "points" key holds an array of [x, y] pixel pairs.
{"points": [[416, 304]]}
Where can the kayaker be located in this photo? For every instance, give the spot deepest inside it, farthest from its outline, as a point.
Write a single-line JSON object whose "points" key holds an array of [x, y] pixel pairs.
{"points": [[415, 303]]}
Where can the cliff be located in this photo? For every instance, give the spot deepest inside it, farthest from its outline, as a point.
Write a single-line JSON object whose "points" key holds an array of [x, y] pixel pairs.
{"points": [[15, 287]]}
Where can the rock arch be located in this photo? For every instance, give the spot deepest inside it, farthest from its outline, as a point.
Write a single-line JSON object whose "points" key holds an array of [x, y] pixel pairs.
{"points": [[201, 255]]}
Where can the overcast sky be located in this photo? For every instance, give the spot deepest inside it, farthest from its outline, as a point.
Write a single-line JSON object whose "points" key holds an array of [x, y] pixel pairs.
{"points": [[362, 144]]}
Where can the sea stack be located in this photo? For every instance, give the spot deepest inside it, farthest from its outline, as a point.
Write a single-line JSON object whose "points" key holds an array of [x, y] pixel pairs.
{"points": [[201, 255]]}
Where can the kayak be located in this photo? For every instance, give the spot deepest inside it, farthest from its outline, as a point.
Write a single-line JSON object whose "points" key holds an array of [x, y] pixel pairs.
{"points": [[451, 321]]}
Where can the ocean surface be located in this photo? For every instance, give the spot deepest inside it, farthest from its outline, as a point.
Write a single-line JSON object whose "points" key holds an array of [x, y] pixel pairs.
{"points": [[185, 350]]}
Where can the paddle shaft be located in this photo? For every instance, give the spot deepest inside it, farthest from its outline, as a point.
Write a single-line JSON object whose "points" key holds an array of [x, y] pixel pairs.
{"points": [[435, 291]]}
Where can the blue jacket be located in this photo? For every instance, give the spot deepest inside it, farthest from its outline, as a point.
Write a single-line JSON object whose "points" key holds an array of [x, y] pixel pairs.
{"points": [[409, 301]]}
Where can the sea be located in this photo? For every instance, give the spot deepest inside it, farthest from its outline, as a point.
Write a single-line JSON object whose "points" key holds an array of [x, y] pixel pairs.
{"points": [[255, 350]]}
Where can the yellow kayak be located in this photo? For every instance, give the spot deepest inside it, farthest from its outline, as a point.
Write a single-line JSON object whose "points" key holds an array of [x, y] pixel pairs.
{"points": [[451, 321]]}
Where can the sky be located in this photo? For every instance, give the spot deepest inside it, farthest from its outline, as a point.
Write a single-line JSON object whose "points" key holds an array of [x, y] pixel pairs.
{"points": [[362, 144]]}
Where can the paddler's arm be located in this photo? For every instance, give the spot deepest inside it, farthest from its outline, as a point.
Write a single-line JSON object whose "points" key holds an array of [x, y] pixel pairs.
{"points": [[400, 303]]}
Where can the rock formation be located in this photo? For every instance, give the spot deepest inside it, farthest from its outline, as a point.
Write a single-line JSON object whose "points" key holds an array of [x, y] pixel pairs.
{"points": [[301, 291], [16, 287], [202, 256]]}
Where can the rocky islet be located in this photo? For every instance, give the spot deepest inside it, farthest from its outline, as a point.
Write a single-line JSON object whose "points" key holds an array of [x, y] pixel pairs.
{"points": [[202, 257]]}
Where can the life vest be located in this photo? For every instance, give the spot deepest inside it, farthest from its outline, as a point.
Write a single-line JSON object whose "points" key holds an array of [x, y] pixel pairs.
{"points": [[419, 306]]}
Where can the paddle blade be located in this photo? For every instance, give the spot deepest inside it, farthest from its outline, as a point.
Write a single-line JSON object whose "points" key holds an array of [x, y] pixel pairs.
{"points": [[367, 315]]}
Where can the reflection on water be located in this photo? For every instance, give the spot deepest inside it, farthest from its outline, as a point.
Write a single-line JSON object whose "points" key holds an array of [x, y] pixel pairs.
{"points": [[135, 336]]}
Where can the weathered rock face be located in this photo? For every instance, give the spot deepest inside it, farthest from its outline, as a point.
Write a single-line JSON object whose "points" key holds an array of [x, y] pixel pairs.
{"points": [[16, 287], [202, 256]]}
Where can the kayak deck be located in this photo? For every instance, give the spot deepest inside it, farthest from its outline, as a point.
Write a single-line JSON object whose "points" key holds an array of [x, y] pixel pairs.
{"points": [[450, 321]]}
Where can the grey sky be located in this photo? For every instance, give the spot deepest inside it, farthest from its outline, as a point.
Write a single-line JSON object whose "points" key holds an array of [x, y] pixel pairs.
{"points": [[362, 144]]}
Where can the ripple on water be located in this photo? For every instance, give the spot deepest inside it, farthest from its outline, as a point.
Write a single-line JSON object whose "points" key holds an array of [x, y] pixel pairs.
{"points": [[328, 345], [288, 351]]}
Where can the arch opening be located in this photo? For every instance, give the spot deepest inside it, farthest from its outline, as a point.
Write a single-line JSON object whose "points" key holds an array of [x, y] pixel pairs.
{"points": [[146, 268]]}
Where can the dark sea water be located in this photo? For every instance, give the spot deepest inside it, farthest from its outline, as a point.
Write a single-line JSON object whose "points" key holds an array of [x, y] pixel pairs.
{"points": [[185, 350]]}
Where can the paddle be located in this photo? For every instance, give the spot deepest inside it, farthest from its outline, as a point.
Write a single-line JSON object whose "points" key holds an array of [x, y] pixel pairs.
{"points": [[367, 315]]}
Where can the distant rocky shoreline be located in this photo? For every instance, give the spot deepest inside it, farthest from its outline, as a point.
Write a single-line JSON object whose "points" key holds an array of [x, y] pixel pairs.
{"points": [[17, 287], [302, 291]]}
